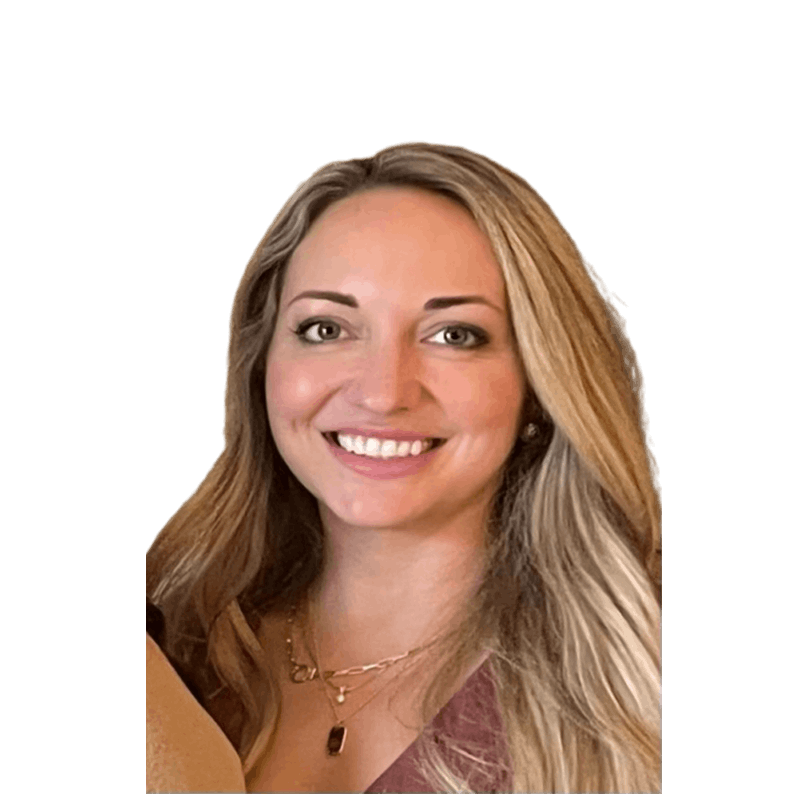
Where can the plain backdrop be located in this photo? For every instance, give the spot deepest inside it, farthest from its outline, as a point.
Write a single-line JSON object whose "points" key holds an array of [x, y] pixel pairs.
{"points": [[146, 148]]}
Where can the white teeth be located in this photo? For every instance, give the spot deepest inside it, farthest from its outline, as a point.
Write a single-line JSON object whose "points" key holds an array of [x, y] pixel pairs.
{"points": [[378, 448]]}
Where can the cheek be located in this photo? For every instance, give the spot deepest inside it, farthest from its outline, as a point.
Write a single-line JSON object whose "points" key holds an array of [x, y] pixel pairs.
{"points": [[291, 389], [496, 400]]}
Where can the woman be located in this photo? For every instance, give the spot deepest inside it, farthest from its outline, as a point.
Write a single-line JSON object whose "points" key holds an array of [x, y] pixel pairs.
{"points": [[428, 558]]}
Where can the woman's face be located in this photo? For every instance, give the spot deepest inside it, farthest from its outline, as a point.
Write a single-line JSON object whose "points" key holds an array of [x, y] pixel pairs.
{"points": [[383, 357]]}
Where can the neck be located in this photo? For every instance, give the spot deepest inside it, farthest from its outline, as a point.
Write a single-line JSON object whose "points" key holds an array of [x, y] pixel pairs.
{"points": [[385, 591]]}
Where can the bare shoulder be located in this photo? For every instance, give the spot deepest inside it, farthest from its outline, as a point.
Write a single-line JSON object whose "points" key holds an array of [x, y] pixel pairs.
{"points": [[186, 750]]}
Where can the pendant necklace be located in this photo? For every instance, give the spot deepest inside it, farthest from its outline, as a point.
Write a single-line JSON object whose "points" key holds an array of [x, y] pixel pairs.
{"points": [[301, 673], [338, 733]]}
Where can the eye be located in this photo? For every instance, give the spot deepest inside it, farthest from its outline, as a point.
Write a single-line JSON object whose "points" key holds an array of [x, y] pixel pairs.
{"points": [[456, 335], [333, 330]]}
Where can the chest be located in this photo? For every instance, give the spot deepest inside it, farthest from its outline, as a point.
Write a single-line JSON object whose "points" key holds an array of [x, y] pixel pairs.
{"points": [[296, 758], [382, 719]]}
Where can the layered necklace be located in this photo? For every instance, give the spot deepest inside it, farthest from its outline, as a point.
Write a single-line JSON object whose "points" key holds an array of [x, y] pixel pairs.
{"points": [[301, 673]]}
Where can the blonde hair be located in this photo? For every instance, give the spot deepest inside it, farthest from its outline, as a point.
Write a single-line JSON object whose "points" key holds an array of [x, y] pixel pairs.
{"points": [[570, 605]]}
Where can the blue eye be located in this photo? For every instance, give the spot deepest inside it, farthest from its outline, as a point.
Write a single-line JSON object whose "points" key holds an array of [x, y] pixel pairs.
{"points": [[479, 337]]}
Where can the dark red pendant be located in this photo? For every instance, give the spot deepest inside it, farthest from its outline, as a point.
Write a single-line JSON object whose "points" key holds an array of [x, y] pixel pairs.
{"points": [[335, 741]]}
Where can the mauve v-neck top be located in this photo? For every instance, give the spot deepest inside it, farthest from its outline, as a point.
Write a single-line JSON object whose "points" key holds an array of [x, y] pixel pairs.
{"points": [[471, 718]]}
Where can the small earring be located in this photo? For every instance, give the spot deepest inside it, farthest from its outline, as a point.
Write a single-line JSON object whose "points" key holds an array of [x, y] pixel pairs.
{"points": [[530, 432]]}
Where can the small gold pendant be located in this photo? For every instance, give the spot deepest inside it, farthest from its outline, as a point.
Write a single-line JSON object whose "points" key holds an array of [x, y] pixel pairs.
{"points": [[340, 696]]}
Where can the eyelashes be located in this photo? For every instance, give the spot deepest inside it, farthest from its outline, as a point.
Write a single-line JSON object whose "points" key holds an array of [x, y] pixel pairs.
{"points": [[479, 337]]}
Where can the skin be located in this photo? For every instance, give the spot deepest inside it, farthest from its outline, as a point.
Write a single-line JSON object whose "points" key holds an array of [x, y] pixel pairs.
{"points": [[186, 750], [398, 552]]}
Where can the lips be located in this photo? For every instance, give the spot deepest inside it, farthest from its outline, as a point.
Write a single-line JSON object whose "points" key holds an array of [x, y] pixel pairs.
{"points": [[390, 468]]}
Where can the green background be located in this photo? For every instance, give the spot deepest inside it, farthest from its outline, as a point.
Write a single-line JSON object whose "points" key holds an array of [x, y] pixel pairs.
{"points": [[147, 148]]}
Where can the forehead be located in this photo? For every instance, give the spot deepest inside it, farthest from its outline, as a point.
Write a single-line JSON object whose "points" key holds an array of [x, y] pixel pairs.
{"points": [[396, 242]]}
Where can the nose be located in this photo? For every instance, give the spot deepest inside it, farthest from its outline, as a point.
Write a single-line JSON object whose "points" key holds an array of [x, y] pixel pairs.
{"points": [[387, 381]]}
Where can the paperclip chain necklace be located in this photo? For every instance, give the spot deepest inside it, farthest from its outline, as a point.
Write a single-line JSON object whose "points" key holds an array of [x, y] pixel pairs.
{"points": [[301, 673]]}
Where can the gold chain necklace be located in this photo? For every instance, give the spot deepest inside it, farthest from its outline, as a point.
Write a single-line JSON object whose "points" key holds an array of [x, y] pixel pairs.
{"points": [[301, 673]]}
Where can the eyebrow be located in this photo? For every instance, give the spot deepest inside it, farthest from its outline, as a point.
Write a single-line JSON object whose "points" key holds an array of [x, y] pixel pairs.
{"points": [[434, 304]]}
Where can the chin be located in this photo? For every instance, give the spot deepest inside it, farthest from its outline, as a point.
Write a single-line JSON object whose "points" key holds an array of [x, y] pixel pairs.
{"points": [[370, 512]]}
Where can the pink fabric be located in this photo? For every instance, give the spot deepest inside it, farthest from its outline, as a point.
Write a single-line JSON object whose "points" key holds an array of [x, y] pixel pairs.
{"points": [[471, 717]]}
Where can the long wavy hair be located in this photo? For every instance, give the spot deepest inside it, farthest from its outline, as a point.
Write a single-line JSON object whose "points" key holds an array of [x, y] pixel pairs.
{"points": [[570, 604]]}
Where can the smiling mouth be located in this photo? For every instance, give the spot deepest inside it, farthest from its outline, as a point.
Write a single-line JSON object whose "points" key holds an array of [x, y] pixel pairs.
{"points": [[332, 438]]}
